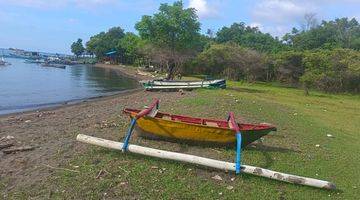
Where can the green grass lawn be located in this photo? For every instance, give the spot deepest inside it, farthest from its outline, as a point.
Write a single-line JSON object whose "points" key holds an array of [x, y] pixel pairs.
{"points": [[303, 122]]}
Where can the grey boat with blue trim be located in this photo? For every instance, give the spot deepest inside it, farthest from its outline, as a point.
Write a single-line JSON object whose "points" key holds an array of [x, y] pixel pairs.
{"points": [[170, 84]]}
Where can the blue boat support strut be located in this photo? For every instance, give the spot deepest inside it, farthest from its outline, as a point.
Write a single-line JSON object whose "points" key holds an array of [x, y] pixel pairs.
{"points": [[238, 153], [128, 134]]}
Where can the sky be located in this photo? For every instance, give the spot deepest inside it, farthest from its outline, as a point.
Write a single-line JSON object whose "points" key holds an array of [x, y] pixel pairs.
{"points": [[52, 25]]}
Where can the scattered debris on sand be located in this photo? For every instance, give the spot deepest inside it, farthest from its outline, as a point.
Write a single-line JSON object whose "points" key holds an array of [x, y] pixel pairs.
{"points": [[8, 145]]}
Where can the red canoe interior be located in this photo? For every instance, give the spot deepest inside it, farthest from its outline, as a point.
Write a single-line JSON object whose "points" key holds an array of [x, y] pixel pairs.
{"points": [[206, 122]]}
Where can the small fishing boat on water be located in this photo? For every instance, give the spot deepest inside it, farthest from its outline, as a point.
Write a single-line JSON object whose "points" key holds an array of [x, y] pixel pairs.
{"points": [[3, 62], [169, 126], [169, 84], [34, 61], [53, 65]]}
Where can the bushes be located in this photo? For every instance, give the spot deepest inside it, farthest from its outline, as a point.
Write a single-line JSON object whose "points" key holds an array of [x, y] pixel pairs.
{"points": [[336, 70], [231, 61], [288, 67]]}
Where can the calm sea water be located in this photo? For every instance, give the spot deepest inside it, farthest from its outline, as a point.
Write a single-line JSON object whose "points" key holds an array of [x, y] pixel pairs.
{"points": [[30, 86]]}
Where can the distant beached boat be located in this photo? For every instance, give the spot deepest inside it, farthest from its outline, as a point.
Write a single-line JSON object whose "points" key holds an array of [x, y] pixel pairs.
{"points": [[166, 84]]}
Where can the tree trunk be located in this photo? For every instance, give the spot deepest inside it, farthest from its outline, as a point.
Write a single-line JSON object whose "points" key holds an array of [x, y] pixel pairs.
{"points": [[171, 70], [306, 89]]}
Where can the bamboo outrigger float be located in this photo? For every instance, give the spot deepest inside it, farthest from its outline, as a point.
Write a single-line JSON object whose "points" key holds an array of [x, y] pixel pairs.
{"points": [[233, 131]]}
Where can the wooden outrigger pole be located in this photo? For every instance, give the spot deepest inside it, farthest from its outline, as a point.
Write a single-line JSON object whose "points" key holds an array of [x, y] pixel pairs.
{"points": [[222, 165]]}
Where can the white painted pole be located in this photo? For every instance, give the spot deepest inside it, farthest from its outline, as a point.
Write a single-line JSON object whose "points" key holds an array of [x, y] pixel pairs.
{"points": [[227, 166]]}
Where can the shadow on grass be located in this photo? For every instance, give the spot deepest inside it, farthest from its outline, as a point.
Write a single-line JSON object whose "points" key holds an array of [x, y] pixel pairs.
{"points": [[264, 148], [247, 90]]}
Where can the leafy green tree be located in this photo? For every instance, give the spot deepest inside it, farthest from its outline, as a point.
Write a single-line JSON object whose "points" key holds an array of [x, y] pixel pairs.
{"points": [[250, 37], [236, 30], [130, 45], [77, 48], [104, 42], [174, 29], [339, 33]]}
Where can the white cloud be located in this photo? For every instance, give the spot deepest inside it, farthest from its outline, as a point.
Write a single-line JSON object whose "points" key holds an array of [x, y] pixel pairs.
{"points": [[357, 17], [256, 24], [278, 30], [203, 9], [280, 11], [277, 16]]}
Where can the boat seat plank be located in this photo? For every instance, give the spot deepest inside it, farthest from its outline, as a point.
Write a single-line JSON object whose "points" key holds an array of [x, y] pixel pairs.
{"points": [[166, 117], [212, 124]]}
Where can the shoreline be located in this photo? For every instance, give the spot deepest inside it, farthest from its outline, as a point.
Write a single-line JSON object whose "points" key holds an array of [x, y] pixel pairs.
{"points": [[52, 131], [123, 70], [127, 71], [71, 103]]}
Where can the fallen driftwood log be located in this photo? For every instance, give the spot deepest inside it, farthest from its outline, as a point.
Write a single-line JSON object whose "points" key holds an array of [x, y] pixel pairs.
{"points": [[12, 150], [60, 168], [7, 145], [227, 166]]}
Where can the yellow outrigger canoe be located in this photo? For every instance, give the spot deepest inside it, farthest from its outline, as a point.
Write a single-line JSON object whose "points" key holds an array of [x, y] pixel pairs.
{"points": [[165, 125], [178, 127], [200, 130]]}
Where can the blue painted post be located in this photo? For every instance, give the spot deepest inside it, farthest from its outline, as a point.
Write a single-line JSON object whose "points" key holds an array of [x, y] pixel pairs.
{"points": [[235, 127], [238, 153], [133, 122], [128, 134]]}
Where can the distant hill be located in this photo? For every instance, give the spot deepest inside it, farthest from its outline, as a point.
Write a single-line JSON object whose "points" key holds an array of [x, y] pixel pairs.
{"points": [[11, 51]]}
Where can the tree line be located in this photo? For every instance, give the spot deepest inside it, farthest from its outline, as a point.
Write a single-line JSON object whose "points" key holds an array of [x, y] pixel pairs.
{"points": [[323, 56]]}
